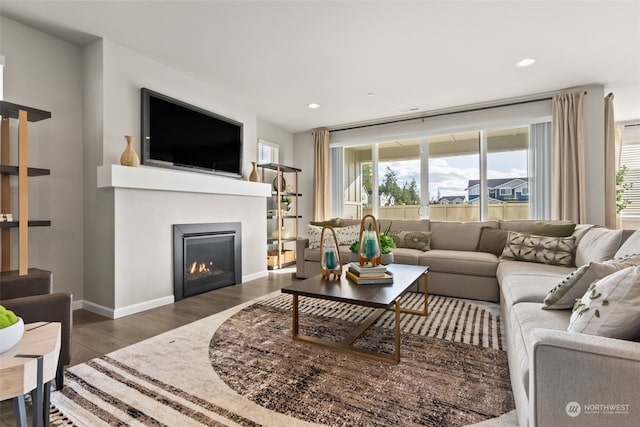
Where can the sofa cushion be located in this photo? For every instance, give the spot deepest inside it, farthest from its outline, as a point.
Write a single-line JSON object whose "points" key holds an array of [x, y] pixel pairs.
{"points": [[333, 222], [610, 307], [540, 249], [519, 225], [457, 236], [564, 294], [630, 247], [524, 318], [460, 262], [405, 225], [420, 240], [598, 244], [406, 256], [543, 228], [517, 288], [492, 240], [507, 268], [313, 254]]}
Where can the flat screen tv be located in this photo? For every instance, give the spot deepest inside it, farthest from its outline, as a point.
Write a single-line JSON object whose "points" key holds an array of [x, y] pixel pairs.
{"points": [[182, 136]]}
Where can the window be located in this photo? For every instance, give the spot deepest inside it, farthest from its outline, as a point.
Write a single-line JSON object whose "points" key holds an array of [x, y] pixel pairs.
{"points": [[267, 152], [1, 77], [630, 157], [465, 176]]}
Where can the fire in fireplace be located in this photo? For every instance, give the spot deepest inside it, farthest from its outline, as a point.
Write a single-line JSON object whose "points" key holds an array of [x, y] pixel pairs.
{"points": [[206, 257]]}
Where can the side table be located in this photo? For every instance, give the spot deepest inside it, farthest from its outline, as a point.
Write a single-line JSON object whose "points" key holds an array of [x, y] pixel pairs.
{"points": [[30, 366]]}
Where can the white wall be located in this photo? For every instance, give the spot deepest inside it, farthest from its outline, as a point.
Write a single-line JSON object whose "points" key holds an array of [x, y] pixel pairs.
{"points": [[45, 72], [130, 230]]}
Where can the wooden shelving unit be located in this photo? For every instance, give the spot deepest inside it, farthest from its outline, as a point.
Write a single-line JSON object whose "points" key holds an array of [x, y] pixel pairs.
{"points": [[24, 115], [285, 255]]}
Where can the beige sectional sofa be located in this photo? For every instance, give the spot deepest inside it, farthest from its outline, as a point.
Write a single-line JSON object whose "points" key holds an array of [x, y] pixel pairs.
{"points": [[558, 377]]}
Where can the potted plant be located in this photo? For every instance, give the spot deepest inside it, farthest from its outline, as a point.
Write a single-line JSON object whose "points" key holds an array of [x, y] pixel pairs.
{"points": [[285, 202]]}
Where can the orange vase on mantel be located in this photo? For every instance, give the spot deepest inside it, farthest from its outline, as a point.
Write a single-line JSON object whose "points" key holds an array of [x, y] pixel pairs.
{"points": [[254, 177], [129, 157]]}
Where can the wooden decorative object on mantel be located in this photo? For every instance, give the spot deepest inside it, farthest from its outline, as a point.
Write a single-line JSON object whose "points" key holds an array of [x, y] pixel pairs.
{"points": [[330, 262], [369, 249]]}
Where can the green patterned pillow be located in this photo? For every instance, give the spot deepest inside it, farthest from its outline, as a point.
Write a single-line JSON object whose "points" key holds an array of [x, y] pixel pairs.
{"points": [[540, 249], [610, 307], [420, 240], [572, 287]]}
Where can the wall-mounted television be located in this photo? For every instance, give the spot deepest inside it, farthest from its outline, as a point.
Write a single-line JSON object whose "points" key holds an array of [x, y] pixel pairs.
{"points": [[182, 136]]}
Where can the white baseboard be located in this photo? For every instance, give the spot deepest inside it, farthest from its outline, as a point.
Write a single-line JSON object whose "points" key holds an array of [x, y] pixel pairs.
{"points": [[254, 276], [125, 311]]}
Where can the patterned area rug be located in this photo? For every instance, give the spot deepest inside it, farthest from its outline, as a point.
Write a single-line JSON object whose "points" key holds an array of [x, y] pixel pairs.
{"points": [[240, 367]]}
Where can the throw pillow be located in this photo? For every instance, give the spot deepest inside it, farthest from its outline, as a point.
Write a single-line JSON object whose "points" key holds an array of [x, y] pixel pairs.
{"points": [[540, 249], [542, 228], [313, 233], [420, 240], [598, 244], [492, 240], [572, 287], [333, 222], [610, 307], [630, 246], [347, 235]]}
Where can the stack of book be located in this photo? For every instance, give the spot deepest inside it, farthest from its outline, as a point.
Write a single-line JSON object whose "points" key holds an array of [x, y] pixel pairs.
{"points": [[377, 275]]}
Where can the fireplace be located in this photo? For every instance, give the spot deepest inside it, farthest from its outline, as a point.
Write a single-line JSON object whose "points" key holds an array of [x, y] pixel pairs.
{"points": [[205, 257]]}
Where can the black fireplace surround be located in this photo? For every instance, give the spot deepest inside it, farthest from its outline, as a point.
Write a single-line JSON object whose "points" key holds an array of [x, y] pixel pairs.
{"points": [[205, 257]]}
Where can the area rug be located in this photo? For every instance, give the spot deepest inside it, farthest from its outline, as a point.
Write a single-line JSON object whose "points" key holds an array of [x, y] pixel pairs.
{"points": [[240, 367]]}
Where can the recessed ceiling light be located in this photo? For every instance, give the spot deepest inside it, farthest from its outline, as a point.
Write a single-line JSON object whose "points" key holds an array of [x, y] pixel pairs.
{"points": [[313, 105], [409, 110], [525, 62], [370, 94]]}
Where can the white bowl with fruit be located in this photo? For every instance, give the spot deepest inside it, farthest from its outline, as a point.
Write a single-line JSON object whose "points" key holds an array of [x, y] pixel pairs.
{"points": [[11, 329]]}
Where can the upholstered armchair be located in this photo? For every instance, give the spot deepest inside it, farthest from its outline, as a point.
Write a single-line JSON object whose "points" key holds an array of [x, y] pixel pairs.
{"points": [[31, 298]]}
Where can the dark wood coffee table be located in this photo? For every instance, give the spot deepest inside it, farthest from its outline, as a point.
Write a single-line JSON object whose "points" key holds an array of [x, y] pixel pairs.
{"points": [[381, 297]]}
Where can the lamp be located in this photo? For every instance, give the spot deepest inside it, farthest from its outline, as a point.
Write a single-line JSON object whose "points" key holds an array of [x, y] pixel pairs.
{"points": [[330, 262], [369, 246]]}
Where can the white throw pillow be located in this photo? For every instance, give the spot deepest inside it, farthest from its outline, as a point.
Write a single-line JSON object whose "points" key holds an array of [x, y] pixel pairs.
{"points": [[572, 287], [599, 244], [610, 307], [313, 233], [344, 235], [630, 246]]}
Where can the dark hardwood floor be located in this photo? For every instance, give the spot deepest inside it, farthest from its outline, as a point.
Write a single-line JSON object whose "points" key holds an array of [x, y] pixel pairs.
{"points": [[94, 335]]}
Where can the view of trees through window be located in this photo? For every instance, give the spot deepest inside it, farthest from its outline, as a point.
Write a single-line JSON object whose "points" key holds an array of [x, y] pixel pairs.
{"points": [[453, 181]]}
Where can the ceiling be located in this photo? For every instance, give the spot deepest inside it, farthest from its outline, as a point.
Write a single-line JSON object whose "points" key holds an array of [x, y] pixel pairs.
{"points": [[277, 57]]}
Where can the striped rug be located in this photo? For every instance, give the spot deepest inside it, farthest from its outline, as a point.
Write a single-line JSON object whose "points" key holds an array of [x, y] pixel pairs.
{"points": [[240, 368]]}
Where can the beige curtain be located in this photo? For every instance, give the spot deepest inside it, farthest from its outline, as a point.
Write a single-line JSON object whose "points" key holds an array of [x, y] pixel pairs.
{"points": [[321, 195], [613, 145], [568, 158]]}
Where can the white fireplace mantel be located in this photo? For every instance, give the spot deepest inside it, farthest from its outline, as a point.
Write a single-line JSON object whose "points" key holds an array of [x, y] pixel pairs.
{"points": [[162, 179]]}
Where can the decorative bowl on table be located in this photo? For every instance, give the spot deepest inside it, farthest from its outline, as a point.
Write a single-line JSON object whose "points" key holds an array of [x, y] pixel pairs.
{"points": [[11, 335]]}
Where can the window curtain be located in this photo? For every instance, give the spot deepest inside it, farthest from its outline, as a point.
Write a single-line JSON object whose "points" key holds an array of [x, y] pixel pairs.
{"points": [[568, 158], [540, 170], [612, 144], [321, 201], [337, 182]]}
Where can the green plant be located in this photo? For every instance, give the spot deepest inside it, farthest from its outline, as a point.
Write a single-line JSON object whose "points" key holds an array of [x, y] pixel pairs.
{"points": [[7, 317], [386, 242], [621, 187], [286, 200]]}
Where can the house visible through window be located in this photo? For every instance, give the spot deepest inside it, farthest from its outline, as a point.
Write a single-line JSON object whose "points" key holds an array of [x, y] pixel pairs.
{"points": [[267, 152], [391, 180]]}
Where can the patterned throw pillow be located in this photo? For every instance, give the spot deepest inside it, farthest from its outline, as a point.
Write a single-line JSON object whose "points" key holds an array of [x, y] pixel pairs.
{"points": [[572, 287], [344, 235], [540, 249], [420, 240], [610, 307]]}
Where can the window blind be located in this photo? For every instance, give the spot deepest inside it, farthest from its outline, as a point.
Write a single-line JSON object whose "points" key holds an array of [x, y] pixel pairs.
{"points": [[630, 157]]}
